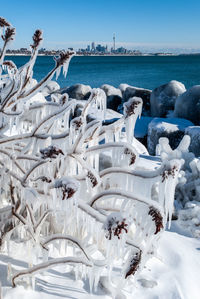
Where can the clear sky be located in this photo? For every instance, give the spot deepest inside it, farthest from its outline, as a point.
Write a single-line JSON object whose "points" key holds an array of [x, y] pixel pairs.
{"points": [[148, 24]]}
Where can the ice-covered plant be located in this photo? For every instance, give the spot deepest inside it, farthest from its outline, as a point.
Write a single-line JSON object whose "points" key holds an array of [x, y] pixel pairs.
{"points": [[52, 186], [187, 193]]}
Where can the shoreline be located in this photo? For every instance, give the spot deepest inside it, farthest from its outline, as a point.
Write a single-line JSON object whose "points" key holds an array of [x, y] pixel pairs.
{"points": [[115, 55]]}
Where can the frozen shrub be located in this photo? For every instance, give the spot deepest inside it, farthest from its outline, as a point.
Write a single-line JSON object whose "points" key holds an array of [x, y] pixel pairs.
{"points": [[52, 188]]}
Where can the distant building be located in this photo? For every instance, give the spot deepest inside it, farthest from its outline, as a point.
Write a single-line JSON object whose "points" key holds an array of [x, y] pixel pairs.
{"points": [[114, 42], [42, 51], [121, 50], [23, 50], [93, 46], [100, 48], [88, 48]]}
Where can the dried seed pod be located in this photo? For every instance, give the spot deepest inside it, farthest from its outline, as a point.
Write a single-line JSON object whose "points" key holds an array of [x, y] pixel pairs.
{"points": [[131, 106], [37, 38], [132, 155], [51, 152], [4, 23], [9, 64], [77, 123], [68, 187], [115, 225], [9, 34], [157, 218], [169, 172], [63, 57], [134, 264], [92, 178]]}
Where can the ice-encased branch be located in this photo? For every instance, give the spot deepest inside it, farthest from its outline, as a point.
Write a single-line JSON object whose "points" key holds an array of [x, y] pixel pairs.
{"points": [[46, 265]]}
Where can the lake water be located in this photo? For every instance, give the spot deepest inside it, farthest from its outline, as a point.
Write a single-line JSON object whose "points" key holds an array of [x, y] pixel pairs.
{"points": [[141, 71]]}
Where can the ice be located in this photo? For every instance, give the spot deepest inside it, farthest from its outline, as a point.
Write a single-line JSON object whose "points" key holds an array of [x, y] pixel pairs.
{"points": [[132, 109]]}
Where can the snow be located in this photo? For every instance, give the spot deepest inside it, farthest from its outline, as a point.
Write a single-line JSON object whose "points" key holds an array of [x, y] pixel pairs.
{"points": [[189, 218], [169, 124], [174, 273]]}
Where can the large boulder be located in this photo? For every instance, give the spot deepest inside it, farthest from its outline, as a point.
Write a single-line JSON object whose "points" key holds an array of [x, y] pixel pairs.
{"points": [[51, 87], [77, 91], [111, 90], [188, 105], [163, 98], [172, 128], [194, 133], [123, 87], [142, 93], [114, 96]]}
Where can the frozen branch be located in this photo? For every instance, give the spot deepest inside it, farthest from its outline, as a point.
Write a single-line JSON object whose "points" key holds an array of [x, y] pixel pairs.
{"points": [[57, 261]]}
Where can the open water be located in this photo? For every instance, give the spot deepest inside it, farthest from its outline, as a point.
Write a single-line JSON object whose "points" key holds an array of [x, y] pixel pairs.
{"points": [[141, 71]]}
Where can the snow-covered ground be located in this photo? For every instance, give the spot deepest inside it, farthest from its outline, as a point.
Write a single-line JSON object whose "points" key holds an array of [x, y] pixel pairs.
{"points": [[173, 274]]}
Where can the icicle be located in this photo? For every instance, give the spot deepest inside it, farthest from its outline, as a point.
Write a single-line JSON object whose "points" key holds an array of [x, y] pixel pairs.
{"points": [[58, 72], [33, 282], [65, 68]]}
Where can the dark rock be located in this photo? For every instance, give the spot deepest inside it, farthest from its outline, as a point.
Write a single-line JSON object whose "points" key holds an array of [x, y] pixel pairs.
{"points": [[114, 96], [113, 102], [123, 87], [188, 105]]}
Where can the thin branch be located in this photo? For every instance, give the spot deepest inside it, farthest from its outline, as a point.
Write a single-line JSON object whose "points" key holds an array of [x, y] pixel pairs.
{"points": [[24, 179], [42, 218], [31, 214], [122, 194], [13, 159], [54, 114], [67, 238], [49, 264]]}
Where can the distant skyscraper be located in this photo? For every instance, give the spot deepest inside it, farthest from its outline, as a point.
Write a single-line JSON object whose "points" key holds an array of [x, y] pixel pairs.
{"points": [[93, 45], [114, 41]]}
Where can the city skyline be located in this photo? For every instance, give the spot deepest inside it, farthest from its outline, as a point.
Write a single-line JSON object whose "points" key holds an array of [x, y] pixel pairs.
{"points": [[141, 25]]}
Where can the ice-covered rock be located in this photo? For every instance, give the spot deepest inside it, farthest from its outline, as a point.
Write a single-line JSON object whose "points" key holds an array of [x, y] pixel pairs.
{"points": [[114, 96], [188, 105], [194, 133], [142, 93], [77, 91], [111, 90], [163, 98], [52, 86], [172, 128], [123, 87]]}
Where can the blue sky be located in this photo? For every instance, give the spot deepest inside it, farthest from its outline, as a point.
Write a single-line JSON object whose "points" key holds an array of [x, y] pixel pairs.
{"points": [[143, 24]]}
